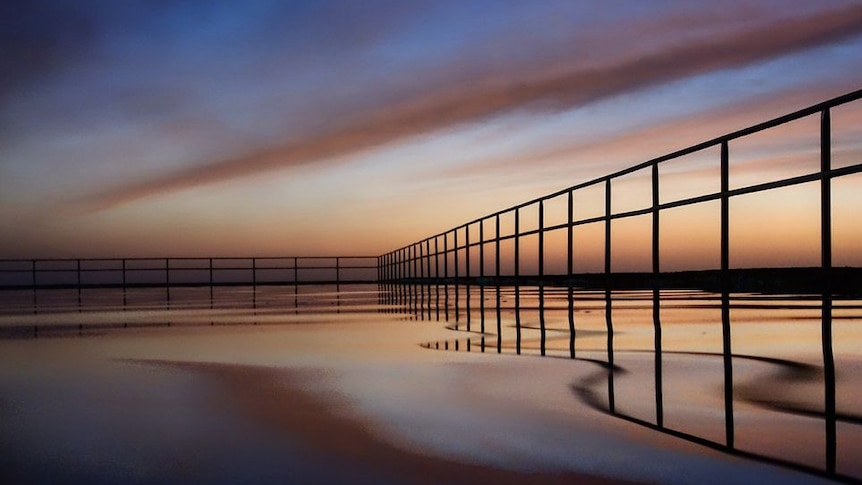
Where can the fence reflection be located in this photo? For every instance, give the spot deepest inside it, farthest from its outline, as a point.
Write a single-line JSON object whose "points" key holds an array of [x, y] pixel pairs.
{"points": [[541, 321], [96, 310]]}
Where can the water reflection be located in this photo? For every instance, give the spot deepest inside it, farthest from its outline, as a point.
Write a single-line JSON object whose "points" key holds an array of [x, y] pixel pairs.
{"points": [[751, 375], [51, 312], [773, 378]]}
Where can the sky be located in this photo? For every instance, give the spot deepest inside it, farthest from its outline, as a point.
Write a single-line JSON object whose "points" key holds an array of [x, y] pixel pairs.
{"points": [[292, 128]]}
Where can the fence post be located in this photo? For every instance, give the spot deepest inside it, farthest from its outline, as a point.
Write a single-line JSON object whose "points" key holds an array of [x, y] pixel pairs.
{"points": [[437, 277], [457, 289], [168, 282], [467, 271], [826, 304], [727, 352], [517, 282], [482, 281], [125, 298], [419, 286], [428, 272], [497, 273], [656, 309], [570, 261], [33, 279], [542, 332], [608, 230]]}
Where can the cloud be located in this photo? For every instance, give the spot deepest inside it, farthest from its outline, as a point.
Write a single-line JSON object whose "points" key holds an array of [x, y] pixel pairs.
{"points": [[555, 88]]}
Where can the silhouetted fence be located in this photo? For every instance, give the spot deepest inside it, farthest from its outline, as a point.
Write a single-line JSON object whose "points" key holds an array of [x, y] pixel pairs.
{"points": [[489, 252], [473, 252], [58, 284], [178, 272]]}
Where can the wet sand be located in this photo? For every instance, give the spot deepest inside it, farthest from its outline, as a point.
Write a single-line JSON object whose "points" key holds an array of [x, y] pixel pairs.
{"points": [[287, 405], [278, 399]]}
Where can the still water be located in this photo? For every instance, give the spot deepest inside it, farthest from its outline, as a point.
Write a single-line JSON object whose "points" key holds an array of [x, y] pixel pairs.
{"points": [[109, 386]]}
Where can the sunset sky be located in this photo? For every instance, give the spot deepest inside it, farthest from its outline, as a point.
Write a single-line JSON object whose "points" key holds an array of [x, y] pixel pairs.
{"points": [[269, 128]]}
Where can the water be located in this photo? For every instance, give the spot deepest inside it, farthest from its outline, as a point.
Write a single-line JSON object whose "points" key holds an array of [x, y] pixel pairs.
{"points": [[108, 390]]}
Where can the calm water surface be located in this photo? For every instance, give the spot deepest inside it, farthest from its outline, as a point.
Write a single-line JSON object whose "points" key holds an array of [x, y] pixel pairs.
{"points": [[673, 387]]}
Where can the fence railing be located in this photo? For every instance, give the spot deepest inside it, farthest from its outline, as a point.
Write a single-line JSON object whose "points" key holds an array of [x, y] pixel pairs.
{"points": [[448, 255], [174, 272], [472, 254]]}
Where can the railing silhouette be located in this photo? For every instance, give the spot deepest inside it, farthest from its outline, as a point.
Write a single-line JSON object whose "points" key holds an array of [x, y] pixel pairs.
{"points": [[420, 261], [52, 285], [178, 272]]}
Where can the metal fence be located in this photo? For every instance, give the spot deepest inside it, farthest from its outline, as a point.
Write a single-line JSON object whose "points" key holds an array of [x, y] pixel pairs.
{"points": [[472, 254], [453, 255], [173, 272], [40, 278]]}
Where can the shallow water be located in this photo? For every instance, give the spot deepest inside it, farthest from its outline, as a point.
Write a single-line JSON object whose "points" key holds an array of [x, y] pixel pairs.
{"points": [[83, 401]]}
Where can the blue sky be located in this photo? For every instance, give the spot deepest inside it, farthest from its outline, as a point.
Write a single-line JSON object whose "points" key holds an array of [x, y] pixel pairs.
{"points": [[182, 128]]}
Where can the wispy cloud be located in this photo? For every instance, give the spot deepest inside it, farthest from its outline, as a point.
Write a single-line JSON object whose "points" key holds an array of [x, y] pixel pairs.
{"points": [[620, 149], [556, 87]]}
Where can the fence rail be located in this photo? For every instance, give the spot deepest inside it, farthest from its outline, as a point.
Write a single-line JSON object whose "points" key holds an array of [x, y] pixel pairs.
{"points": [[172, 272]]}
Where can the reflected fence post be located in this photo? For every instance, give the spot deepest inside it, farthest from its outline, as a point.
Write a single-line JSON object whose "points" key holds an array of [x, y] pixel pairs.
{"points": [[830, 418], [296, 286], [35, 286], [78, 282], [125, 289], [610, 349]]}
